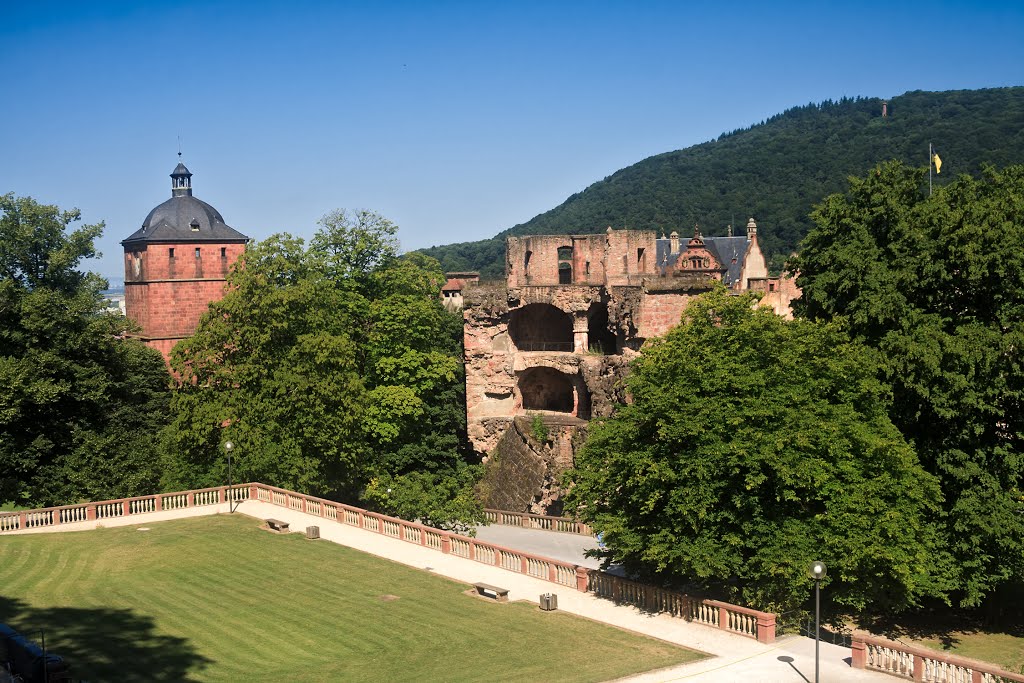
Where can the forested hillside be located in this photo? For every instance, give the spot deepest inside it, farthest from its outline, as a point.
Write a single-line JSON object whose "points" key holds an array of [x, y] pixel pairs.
{"points": [[777, 170]]}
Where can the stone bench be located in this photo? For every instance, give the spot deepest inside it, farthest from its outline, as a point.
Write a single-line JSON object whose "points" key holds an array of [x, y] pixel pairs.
{"points": [[493, 592], [277, 525]]}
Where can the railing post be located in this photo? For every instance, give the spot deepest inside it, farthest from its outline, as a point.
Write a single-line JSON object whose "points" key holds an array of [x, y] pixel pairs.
{"points": [[765, 628], [362, 525], [22, 520], [446, 545], [158, 503], [126, 507], [552, 573], [723, 618], [524, 564], [254, 492], [90, 512], [860, 653], [582, 578], [55, 516], [977, 676], [918, 668], [223, 493], [190, 499], [472, 550]]}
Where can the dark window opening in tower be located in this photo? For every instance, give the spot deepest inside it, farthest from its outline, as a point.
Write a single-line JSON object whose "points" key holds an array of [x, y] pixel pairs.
{"points": [[541, 327], [194, 225], [546, 389], [526, 263], [641, 261], [197, 252], [223, 252], [170, 252]]}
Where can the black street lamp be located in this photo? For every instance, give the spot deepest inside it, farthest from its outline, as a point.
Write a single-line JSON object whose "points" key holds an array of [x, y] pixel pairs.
{"points": [[228, 447], [817, 572]]}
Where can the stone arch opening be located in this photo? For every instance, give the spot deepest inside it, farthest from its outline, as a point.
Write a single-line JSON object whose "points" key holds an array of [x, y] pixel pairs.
{"points": [[540, 327], [599, 336], [547, 389]]}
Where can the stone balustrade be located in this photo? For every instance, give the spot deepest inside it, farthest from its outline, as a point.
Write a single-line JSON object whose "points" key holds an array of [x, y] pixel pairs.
{"points": [[122, 507], [545, 522], [923, 664]]}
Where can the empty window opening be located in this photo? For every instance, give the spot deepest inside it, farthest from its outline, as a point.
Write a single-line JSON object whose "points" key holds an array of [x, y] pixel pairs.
{"points": [[541, 327], [771, 286], [194, 225], [546, 389], [223, 252], [170, 252], [588, 268], [526, 263], [641, 261], [565, 265], [599, 336], [197, 252]]}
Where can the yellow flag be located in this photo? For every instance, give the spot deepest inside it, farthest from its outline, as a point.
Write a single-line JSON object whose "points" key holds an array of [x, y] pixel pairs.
{"points": [[938, 163]]}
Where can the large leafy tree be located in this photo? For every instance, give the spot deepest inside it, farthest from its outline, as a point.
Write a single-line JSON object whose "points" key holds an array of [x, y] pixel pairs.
{"points": [[936, 284], [80, 404], [335, 370], [753, 446]]}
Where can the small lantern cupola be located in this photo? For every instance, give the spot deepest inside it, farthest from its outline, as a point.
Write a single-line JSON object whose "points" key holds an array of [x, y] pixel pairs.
{"points": [[181, 181]]}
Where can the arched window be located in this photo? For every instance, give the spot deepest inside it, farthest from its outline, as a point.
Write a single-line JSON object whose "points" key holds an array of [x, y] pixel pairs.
{"points": [[565, 265]]}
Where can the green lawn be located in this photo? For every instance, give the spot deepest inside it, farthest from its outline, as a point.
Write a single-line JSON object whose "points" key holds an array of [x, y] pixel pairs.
{"points": [[1002, 649], [218, 599]]}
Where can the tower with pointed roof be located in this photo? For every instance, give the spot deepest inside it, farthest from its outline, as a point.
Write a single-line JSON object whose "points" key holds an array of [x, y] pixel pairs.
{"points": [[176, 264]]}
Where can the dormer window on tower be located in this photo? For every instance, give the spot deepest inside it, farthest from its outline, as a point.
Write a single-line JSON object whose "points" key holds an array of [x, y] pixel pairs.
{"points": [[194, 224]]}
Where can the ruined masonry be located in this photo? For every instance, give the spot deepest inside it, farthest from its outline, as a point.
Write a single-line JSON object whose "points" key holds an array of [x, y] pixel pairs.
{"points": [[546, 350]]}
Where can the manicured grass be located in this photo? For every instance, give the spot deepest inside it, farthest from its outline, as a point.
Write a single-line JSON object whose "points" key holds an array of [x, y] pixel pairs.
{"points": [[1002, 649], [218, 599]]}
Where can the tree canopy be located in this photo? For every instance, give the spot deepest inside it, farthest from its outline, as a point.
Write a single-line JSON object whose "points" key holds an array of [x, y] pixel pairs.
{"points": [[80, 402], [753, 446], [335, 370], [936, 285]]}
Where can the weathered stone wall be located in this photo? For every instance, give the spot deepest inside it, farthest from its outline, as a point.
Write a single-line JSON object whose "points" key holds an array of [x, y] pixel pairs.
{"points": [[524, 470]]}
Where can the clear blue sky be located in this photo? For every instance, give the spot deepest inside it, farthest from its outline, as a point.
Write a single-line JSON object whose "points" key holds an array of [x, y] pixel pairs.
{"points": [[454, 119]]}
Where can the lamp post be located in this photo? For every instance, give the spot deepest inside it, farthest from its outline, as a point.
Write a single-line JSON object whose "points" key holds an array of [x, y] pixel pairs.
{"points": [[228, 447], [817, 572]]}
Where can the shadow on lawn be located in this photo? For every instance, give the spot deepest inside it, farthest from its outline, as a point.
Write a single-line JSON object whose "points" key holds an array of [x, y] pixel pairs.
{"points": [[106, 644]]}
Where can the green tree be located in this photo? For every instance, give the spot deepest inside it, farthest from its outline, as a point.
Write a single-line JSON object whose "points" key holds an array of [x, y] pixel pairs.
{"points": [[936, 284], [336, 370], [80, 403], [752, 446]]}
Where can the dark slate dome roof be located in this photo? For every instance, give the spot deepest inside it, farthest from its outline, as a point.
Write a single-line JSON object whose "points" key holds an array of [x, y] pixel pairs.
{"points": [[184, 218]]}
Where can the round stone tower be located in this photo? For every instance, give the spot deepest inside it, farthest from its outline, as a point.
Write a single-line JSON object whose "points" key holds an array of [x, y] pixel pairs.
{"points": [[176, 264]]}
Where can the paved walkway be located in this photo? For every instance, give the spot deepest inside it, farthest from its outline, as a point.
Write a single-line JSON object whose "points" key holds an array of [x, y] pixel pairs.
{"points": [[735, 658]]}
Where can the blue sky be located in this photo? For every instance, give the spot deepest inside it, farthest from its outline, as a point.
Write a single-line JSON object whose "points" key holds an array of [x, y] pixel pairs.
{"points": [[454, 119]]}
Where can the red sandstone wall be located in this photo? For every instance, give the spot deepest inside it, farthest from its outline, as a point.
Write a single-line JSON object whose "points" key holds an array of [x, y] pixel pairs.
{"points": [[660, 312], [168, 288]]}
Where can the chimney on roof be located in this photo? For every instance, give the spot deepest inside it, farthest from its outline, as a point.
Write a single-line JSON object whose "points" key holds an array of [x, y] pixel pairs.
{"points": [[751, 230], [674, 238]]}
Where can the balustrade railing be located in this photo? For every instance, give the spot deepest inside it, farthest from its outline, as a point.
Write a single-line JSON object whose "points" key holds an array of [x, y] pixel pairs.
{"points": [[24, 520], [545, 522], [922, 664]]}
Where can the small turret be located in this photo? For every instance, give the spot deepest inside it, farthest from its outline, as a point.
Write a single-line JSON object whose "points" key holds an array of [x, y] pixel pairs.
{"points": [[751, 229], [181, 181]]}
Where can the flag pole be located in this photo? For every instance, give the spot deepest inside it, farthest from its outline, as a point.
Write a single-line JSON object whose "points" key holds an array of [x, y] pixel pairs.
{"points": [[930, 169]]}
